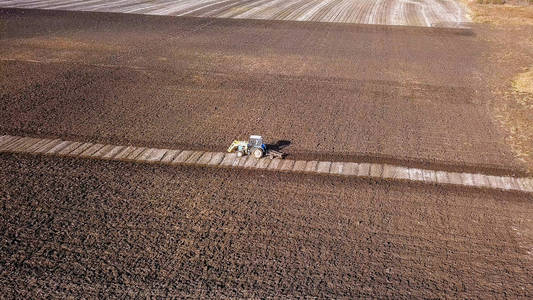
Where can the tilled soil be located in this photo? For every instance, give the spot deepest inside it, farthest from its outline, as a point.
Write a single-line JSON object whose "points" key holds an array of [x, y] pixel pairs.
{"points": [[342, 92], [92, 228], [392, 12]]}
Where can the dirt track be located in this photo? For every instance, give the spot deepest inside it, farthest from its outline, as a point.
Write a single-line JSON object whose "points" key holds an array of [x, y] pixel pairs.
{"points": [[80, 227], [346, 92]]}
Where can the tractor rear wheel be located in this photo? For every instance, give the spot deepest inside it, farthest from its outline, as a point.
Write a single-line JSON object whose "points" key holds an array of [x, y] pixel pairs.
{"points": [[258, 153], [240, 153]]}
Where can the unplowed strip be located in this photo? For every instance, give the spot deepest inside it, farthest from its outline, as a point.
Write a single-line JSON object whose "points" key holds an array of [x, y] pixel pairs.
{"points": [[422, 13]]}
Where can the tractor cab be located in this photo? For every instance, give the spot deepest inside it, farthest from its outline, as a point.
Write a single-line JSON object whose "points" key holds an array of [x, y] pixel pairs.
{"points": [[256, 141], [256, 146]]}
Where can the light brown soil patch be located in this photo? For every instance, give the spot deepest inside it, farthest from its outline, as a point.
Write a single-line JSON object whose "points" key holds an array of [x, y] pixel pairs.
{"points": [[500, 14], [523, 83], [512, 83], [511, 50]]}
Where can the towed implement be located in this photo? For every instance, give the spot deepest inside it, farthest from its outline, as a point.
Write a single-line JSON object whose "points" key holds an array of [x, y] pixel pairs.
{"points": [[255, 147]]}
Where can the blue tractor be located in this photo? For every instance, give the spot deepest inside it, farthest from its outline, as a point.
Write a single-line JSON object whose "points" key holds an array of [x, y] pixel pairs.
{"points": [[255, 147]]}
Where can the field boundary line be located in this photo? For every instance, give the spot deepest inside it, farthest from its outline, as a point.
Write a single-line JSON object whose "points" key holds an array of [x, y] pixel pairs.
{"points": [[59, 147]]}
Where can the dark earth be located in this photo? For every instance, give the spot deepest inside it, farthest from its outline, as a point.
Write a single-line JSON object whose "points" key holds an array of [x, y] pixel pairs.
{"points": [[417, 96], [84, 228], [404, 95]]}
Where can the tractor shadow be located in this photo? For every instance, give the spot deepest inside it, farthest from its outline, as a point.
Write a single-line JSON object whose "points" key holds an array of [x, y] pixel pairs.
{"points": [[279, 145]]}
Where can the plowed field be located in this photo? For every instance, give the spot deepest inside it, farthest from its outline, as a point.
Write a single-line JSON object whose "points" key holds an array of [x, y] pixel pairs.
{"points": [[340, 92], [390, 12], [82, 228], [75, 228]]}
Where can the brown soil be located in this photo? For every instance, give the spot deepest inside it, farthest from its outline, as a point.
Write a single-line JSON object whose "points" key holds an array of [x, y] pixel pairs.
{"points": [[343, 92], [82, 228]]}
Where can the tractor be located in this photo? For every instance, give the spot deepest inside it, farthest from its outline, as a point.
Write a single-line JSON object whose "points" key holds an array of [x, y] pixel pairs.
{"points": [[254, 147]]}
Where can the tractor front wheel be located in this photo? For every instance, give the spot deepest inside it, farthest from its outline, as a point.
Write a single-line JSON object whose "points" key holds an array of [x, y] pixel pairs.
{"points": [[258, 153]]}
